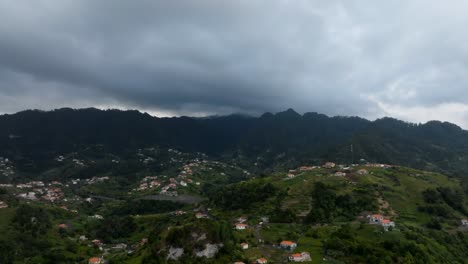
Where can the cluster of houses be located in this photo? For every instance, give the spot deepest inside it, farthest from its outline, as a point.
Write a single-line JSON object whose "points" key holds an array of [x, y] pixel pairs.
{"points": [[50, 193], [97, 180], [170, 187], [378, 165], [341, 171], [78, 163], [147, 183], [114, 247], [296, 257], [378, 219], [182, 178], [286, 245], [6, 168]]}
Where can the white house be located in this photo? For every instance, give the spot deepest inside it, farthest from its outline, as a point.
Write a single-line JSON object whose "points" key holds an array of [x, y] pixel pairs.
{"points": [[340, 174], [300, 257], [464, 222], [3, 205], [244, 246], [362, 172], [240, 226], [386, 223], [200, 215], [288, 245]]}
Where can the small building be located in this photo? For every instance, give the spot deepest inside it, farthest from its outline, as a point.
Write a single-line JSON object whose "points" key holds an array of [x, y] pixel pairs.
{"points": [[121, 246], [96, 260], [375, 218], [306, 168], [97, 242], [242, 219], [329, 165], [62, 226], [179, 212], [3, 205], [240, 226], [289, 245], [300, 257], [387, 223], [244, 246], [98, 217], [340, 174], [464, 222], [291, 175], [239, 262], [362, 172], [262, 261], [200, 215]]}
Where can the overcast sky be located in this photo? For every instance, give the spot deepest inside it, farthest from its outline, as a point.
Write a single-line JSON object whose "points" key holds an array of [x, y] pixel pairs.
{"points": [[402, 58]]}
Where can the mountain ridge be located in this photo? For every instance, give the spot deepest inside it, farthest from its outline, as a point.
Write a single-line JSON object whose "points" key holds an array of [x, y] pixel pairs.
{"points": [[434, 145]]}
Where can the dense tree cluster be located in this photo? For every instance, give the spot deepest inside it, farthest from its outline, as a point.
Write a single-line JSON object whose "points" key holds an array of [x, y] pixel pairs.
{"points": [[327, 205], [243, 195]]}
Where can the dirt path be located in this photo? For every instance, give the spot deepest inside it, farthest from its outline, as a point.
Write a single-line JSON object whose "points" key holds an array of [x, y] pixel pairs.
{"points": [[385, 206]]}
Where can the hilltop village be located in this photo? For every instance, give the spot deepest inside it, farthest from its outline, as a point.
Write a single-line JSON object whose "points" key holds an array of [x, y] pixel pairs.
{"points": [[218, 212]]}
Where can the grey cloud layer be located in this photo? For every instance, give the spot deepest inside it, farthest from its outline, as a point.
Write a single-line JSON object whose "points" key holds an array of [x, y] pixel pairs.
{"points": [[404, 58]]}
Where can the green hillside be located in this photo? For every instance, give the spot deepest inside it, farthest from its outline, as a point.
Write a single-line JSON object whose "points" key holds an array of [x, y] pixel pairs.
{"points": [[323, 210]]}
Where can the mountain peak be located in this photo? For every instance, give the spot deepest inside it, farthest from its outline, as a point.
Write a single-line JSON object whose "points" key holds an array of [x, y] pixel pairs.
{"points": [[288, 113]]}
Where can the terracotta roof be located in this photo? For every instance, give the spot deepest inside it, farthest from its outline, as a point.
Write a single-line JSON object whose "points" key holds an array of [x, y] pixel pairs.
{"points": [[297, 255], [286, 242], [386, 221], [94, 260]]}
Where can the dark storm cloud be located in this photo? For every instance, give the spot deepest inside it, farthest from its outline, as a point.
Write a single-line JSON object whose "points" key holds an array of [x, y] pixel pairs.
{"points": [[404, 58]]}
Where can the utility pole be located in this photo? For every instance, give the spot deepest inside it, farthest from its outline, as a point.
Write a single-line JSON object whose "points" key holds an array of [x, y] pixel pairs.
{"points": [[352, 155]]}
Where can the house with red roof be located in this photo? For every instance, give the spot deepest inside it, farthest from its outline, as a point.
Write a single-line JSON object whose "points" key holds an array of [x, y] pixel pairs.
{"points": [[200, 215], [306, 168], [262, 261], [286, 244], [300, 257], [375, 218], [96, 260], [240, 226]]}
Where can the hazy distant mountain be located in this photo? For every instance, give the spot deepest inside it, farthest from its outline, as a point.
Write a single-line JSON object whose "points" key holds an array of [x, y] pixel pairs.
{"points": [[286, 135]]}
